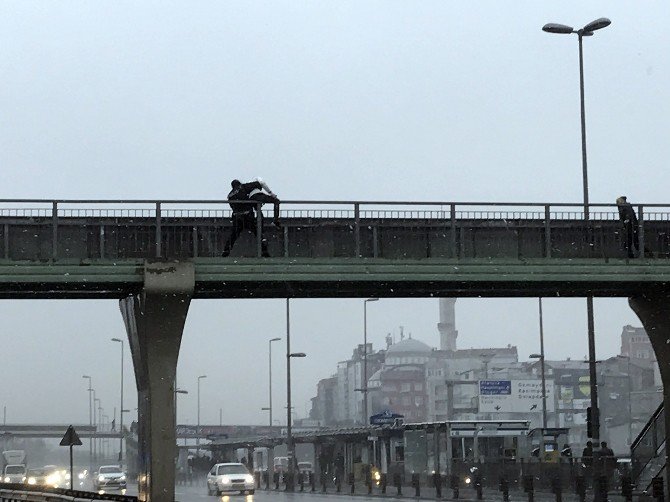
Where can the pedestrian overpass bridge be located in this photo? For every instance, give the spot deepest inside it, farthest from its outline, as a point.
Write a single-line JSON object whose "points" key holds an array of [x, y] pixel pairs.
{"points": [[156, 256]]}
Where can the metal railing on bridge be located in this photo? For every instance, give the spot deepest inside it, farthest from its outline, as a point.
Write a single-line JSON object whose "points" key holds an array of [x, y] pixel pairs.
{"points": [[33, 229]]}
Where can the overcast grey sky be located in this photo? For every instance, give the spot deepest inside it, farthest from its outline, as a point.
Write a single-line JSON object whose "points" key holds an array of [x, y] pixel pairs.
{"points": [[375, 100]]}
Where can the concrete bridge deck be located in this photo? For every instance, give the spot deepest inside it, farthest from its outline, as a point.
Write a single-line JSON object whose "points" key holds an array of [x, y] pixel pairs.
{"points": [[345, 278]]}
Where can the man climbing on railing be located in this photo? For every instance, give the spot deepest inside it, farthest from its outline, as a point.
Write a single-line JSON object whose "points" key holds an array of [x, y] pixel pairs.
{"points": [[630, 226], [243, 212]]}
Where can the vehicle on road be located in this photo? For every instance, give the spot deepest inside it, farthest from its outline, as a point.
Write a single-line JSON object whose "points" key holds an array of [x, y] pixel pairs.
{"points": [[109, 477], [14, 473], [13, 466], [37, 477], [230, 478]]}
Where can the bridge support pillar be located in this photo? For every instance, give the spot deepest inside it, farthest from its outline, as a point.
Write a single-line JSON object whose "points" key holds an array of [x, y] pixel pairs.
{"points": [[154, 321], [654, 313]]}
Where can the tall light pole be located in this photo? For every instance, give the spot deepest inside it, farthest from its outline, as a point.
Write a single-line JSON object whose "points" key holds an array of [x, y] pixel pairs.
{"points": [[270, 377], [177, 391], [90, 422], [540, 356], [289, 436], [365, 358], [197, 437], [98, 421], [586, 31], [630, 408], [118, 340]]}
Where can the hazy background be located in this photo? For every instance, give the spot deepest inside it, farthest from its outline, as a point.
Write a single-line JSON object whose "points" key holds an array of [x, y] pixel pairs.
{"points": [[371, 100]]}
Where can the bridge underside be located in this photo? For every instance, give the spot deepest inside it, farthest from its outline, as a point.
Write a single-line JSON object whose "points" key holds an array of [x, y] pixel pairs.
{"points": [[345, 278]]}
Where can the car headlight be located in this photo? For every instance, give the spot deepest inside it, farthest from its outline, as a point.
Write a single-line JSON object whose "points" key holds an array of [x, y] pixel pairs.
{"points": [[32, 481], [467, 480], [248, 478], [225, 480], [123, 478], [101, 478], [6, 479]]}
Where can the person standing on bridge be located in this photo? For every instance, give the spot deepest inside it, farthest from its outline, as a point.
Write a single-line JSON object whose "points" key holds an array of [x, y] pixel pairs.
{"points": [[630, 226], [243, 216]]}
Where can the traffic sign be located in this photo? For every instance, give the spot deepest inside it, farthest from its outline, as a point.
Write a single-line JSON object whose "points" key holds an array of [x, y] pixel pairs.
{"points": [[71, 438]]}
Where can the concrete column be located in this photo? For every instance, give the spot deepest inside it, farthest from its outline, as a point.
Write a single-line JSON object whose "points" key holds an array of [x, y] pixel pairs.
{"points": [[154, 320], [654, 312]]}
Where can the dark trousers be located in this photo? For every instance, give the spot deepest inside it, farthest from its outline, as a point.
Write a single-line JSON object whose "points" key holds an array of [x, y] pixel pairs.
{"points": [[263, 198], [241, 222], [632, 241]]}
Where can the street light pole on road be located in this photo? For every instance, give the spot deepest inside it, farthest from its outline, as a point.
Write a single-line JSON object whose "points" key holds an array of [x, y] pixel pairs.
{"points": [[586, 31], [197, 437], [177, 391], [118, 340], [270, 377], [289, 437], [365, 358], [90, 422]]}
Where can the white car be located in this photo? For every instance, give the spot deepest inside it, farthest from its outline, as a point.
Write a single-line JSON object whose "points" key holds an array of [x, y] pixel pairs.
{"points": [[232, 477], [15, 473], [109, 477]]}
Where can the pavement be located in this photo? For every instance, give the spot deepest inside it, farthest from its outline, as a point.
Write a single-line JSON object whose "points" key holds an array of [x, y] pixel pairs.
{"points": [[198, 492]]}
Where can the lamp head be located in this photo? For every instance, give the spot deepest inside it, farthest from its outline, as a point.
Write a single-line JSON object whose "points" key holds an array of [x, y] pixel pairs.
{"points": [[598, 24], [558, 28]]}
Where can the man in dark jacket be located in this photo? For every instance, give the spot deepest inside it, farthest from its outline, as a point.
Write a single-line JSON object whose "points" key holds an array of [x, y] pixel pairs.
{"points": [[240, 200], [630, 226]]}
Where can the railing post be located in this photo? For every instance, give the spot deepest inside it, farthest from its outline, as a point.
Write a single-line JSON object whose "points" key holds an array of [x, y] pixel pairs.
{"points": [[54, 230], [286, 241], [640, 230], [357, 229], [195, 242], [452, 233], [375, 241], [6, 239], [547, 231], [102, 241], [159, 231], [259, 230]]}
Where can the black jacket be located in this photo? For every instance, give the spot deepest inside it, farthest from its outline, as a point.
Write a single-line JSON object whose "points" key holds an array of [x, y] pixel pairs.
{"points": [[241, 193], [627, 213]]}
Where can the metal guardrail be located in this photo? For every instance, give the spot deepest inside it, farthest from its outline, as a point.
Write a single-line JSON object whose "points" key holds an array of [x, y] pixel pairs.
{"points": [[191, 228], [14, 492]]}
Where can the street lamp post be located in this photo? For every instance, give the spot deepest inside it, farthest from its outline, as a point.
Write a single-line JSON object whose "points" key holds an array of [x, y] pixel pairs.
{"points": [[118, 340], [270, 377], [197, 437], [630, 408], [540, 356], [90, 422], [98, 421], [177, 391], [365, 358], [289, 436], [586, 31]]}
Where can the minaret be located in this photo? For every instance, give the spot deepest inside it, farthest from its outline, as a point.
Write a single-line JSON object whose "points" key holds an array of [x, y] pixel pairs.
{"points": [[447, 324]]}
